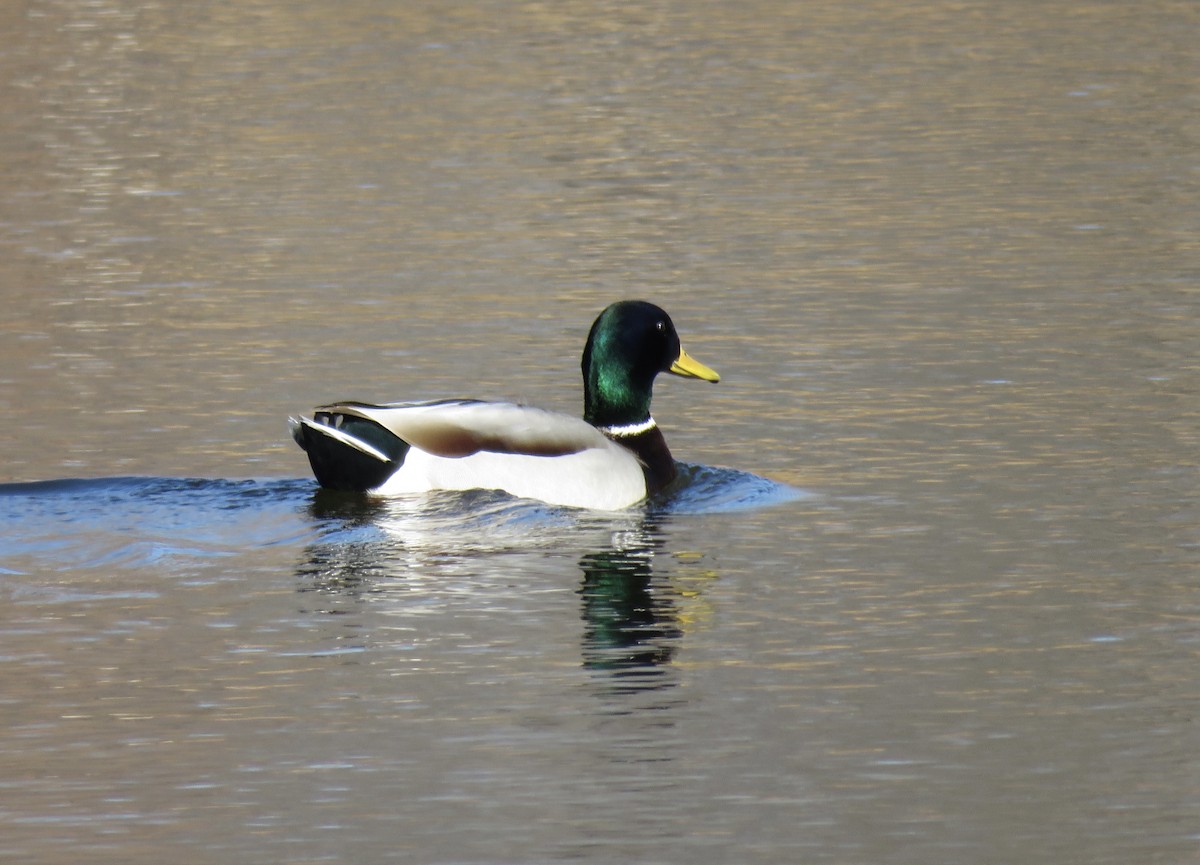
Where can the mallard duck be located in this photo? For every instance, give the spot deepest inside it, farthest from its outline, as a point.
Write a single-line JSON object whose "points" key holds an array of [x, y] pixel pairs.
{"points": [[612, 458]]}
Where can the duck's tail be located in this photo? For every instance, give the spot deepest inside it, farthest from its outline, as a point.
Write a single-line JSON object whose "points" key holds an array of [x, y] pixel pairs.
{"points": [[346, 452]]}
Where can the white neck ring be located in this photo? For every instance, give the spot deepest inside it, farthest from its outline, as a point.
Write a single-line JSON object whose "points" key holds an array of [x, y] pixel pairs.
{"points": [[632, 429]]}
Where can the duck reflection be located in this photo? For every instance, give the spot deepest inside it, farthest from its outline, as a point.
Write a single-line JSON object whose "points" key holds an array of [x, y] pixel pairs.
{"points": [[631, 630], [350, 508], [373, 547], [352, 555]]}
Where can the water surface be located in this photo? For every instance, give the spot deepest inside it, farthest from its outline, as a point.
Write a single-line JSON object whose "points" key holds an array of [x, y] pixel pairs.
{"points": [[929, 595]]}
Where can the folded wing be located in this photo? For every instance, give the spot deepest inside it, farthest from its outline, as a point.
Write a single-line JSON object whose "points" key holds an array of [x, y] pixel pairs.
{"points": [[459, 428]]}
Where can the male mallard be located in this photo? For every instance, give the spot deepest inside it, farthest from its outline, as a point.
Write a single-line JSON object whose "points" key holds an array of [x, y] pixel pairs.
{"points": [[611, 459]]}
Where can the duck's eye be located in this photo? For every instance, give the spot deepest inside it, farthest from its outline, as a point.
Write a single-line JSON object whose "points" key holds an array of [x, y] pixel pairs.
{"points": [[660, 326]]}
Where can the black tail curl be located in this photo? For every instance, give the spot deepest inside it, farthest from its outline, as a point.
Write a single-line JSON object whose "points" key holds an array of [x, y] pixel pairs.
{"points": [[339, 465]]}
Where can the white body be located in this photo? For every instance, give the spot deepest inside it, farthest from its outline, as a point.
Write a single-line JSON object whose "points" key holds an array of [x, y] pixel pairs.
{"points": [[605, 479]]}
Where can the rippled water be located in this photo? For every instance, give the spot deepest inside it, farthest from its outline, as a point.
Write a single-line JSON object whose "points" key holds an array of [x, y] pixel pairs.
{"points": [[929, 593], [214, 622], [136, 522]]}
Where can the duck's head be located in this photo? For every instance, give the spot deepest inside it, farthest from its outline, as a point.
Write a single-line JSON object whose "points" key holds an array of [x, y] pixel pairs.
{"points": [[630, 343]]}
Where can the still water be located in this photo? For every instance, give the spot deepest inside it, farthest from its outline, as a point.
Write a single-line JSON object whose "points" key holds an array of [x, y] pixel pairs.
{"points": [[931, 594]]}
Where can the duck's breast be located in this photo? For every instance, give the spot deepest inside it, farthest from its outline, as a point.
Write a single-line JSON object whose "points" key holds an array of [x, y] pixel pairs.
{"points": [[606, 477]]}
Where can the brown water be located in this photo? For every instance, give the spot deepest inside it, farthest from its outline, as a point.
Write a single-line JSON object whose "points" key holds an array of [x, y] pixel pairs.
{"points": [[945, 257]]}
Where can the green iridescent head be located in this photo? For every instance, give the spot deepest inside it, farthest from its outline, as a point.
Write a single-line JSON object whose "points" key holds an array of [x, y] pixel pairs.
{"points": [[630, 343]]}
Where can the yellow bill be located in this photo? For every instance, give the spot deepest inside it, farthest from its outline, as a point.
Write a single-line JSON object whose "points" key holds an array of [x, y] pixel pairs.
{"points": [[688, 367]]}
